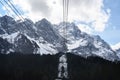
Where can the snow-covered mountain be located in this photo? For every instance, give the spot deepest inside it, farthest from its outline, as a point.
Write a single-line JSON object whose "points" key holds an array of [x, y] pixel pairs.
{"points": [[116, 48], [43, 37], [85, 44], [118, 52], [27, 37]]}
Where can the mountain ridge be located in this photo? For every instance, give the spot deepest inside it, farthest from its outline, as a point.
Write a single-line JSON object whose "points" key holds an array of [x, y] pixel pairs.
{"points": [[43, 37]]}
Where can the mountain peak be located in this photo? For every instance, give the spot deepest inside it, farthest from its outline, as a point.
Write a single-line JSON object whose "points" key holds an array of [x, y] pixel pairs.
{"points": [[7, 18], [28, 21], [43, 23], [44, 20]]}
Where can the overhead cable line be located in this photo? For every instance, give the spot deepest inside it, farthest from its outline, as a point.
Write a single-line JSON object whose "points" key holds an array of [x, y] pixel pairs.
{"points": [[65, 19], [12, 9], [15, 9], [17, 14], [6, 8]]}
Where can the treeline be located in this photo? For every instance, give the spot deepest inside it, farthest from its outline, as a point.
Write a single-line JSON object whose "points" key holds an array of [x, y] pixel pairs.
{"points": [[92, 68], [17, 66], [28, 67]]}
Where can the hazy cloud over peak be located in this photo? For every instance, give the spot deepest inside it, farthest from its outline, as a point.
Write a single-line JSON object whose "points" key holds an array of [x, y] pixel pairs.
{"points": [[40, 6]]}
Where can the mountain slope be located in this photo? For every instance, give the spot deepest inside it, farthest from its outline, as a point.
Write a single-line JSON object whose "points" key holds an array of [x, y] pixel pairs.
{"points": [[5, 46], [46, 30], [118, 53], [84, 44]]}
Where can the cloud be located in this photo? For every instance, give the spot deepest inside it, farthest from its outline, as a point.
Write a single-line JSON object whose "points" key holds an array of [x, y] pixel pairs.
{"points": [[116, 46], [40, 6], [79, 10], [90, 11]]}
